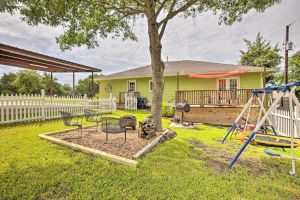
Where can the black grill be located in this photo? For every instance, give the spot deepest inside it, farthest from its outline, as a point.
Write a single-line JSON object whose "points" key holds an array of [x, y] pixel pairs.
{"points": [[183, 107]]}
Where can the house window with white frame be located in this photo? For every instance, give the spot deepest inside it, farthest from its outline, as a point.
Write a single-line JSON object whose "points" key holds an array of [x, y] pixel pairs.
{"points": [[228, 83], [131, 85], [150, 85], [222, 84]]}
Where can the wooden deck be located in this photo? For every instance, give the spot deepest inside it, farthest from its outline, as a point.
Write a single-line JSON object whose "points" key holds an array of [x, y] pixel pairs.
{"points": [[229, 98]]}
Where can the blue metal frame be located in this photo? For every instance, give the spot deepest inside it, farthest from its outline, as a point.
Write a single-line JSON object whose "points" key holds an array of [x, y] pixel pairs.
{"points": [[283, 88], [241, 149], [232, 128]]}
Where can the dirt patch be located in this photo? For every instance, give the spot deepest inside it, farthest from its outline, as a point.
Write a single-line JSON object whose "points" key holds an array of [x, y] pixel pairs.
{"points": [[217, 166], [116, 144], [223, 158], [196, 143]]}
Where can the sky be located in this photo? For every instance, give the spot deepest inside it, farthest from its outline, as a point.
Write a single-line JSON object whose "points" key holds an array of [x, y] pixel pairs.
{"points": [[199, 38]]}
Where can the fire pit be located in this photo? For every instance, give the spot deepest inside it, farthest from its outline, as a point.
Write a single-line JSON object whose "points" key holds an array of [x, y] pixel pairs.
{"points": [[128, 121]]}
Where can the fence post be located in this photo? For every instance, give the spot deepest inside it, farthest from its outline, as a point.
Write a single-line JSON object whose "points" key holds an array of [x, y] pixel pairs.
{"points": [[297, 115], [110, 101], [86, 102], [43, 105], [126, 98]]}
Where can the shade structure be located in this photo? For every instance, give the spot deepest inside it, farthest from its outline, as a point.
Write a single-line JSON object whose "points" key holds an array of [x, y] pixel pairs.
{"points": [[217, 75], [16, 57]]}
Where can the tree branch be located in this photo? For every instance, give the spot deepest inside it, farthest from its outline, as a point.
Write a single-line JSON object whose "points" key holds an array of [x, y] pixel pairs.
{"points": [[163, 28], [179, 10], [121, 9], [161, 7], [139, 3]]}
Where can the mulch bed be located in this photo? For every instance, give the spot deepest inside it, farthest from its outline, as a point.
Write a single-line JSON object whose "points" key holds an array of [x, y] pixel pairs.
{"points": [[96, 140]]}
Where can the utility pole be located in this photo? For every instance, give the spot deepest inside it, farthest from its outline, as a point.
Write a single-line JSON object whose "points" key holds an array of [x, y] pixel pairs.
{"points": [[286, 67]]}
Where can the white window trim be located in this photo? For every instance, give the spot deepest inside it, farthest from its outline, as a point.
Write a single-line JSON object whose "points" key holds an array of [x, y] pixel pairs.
{"points": [[131, 81], [227, 78], [150, 85]]}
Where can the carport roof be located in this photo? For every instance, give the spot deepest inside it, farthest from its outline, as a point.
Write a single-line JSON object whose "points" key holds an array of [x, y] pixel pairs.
{"points": [[16, 57]]}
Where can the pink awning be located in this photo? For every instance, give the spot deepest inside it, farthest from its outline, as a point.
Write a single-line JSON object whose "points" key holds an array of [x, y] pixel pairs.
{"points": [[217, 75]]}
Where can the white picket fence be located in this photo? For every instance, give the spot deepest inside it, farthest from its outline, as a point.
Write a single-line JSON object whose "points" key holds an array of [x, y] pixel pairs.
{"points": [[130, 102], [24, 108], [282, 121]]}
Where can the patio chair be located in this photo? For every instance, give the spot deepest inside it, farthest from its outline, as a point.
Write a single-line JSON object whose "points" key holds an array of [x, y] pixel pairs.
{"points": [[92, 116], [112, 125], [67, 119]]}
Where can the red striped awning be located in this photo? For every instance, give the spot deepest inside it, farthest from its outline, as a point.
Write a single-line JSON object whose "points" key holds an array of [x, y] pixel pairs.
{"points": [[217, 75]]}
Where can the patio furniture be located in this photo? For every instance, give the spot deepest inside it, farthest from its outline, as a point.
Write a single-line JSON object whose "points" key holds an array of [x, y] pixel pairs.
{"points": [[112, 125], [67, 119], [92, 116]]}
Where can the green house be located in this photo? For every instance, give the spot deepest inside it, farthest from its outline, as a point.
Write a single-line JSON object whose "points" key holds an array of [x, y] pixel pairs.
{"points": [[179, 85]]}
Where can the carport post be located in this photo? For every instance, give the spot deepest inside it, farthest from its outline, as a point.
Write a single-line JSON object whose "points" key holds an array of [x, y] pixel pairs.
{"points": [[73, 91], [51, 84], [92, 92]]}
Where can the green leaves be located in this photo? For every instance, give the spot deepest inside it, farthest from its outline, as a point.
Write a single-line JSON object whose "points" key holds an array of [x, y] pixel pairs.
{"points": [[30, 82], [294, 67], [260, 53], [85, 21]]}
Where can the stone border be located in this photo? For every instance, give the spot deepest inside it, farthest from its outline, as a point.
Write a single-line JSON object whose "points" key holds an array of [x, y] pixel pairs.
{"points": [[87, 150]]}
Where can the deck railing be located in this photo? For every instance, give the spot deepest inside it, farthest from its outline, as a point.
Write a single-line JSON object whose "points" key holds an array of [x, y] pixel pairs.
{"points": [[214, 97]]}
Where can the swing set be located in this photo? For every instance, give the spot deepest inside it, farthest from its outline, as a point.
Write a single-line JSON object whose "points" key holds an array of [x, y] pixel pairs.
{"points": [[259, 134]]}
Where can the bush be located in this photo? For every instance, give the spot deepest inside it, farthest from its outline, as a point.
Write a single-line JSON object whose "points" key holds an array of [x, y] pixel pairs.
{"points": [[167, 111]]}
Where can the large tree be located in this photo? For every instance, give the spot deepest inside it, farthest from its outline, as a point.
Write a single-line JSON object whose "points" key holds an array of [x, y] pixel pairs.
{"points": [[84, 21], [85, 86], [28, 82], [294, 70], [294, 67], [57, 88], [7, 84], [260, 53]]}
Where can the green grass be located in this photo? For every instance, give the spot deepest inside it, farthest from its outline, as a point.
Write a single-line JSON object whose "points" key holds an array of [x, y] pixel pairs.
{"points": [[32, 168]]}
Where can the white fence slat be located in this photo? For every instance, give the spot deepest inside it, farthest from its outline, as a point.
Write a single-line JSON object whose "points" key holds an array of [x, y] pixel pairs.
{"points": [[130, 102], [282, 121], [23, 108]]}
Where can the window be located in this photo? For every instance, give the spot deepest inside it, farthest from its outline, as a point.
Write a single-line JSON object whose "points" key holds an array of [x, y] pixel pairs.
{"points": [[230, 83], [131, 85], [150, 85], [233, 85], [222, 84]]}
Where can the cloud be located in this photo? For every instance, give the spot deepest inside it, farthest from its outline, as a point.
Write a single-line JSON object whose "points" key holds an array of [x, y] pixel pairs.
{"points": [[199, 38]]}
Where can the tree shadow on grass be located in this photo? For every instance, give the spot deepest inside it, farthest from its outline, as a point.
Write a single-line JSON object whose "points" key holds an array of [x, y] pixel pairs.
{"points": [[218, 159]]}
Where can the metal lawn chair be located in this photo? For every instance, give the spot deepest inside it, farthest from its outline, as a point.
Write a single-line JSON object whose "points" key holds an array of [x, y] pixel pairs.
{"points": [[112, 125], [67, 119], [92, 116]]}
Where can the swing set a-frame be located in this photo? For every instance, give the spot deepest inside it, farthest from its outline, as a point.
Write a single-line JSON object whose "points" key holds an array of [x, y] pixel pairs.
{"points": [[285, 90]]}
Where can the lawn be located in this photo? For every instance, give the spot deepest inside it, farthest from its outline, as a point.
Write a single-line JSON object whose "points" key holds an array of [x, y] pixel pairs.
{"points": [[187, 167]]}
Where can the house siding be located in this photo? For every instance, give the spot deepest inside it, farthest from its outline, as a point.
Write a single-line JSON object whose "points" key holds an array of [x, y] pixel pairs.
{"points": [[247, 81]]}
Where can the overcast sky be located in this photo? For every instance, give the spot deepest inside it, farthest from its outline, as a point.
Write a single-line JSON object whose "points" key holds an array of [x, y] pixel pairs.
{"points": [[199, 38]]}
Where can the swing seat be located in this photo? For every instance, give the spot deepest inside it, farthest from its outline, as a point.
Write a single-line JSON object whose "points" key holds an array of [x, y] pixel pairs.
{"points": [[273, 141]]}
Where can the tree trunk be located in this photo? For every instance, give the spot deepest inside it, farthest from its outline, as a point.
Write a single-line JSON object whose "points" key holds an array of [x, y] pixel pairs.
{"points": [[157, 66]]}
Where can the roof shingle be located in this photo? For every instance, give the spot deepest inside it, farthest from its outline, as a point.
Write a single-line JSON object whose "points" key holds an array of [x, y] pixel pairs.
{"points": [[183, 67]]}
